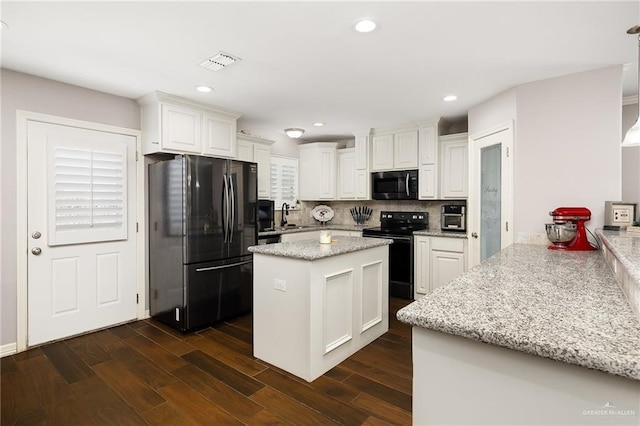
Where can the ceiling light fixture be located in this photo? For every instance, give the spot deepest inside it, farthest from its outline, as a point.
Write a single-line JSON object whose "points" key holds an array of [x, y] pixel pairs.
{"points": [[365, 25], [450, 98], [294, 132], [318, 124], [632, 138], [204, 89]]}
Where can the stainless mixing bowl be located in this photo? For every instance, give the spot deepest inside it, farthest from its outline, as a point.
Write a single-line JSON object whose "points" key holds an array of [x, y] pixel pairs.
{"points": [[561, 233]]}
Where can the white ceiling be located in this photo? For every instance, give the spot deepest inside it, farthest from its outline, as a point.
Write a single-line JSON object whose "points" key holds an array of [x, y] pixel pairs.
{"points": [[302, 62]]}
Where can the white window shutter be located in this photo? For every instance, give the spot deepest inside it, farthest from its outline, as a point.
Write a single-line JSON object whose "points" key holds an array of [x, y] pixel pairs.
{"points": [[284, 180], [87, 195]]}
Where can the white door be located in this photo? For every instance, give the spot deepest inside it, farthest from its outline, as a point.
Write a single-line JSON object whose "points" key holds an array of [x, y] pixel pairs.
{"points": [[491, 194], [81, 230]]}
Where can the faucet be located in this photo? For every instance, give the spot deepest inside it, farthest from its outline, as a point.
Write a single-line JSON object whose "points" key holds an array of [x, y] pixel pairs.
{"points": [[284, 212]]}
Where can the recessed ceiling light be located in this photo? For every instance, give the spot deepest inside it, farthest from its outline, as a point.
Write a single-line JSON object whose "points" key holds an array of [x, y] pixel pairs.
{"points": [[365, 25], [204, 89], [450, 98], [318, 124]]}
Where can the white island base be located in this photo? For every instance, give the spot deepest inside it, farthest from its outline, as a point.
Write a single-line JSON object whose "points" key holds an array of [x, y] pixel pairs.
{"points": [[458, 381], [310, 315]]}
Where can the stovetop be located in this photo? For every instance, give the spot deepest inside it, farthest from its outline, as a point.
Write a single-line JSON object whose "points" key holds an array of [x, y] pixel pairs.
{"points": [[399, 223]]}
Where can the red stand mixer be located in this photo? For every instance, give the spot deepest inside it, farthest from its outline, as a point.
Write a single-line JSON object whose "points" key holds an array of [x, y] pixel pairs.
{"points": [[568, 231]]}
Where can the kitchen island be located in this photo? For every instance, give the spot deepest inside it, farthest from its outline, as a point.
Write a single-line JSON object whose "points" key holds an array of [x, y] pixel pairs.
{"points": [[530, 336], [316, 304]]}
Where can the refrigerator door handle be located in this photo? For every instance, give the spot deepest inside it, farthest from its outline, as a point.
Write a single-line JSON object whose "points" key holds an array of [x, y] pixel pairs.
{"points": [[213, 268], [225, 207], [232, 195]]}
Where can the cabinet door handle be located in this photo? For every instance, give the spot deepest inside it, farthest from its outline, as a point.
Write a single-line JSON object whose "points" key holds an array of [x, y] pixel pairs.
{"points": [[474, 235]]}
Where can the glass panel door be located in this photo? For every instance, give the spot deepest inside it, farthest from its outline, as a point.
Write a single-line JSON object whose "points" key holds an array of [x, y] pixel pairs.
{"points": [[490, 200]]}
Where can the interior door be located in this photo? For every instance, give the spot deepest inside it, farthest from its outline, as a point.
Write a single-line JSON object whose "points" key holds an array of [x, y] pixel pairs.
{"points": [[81, 230], [491, 194]]}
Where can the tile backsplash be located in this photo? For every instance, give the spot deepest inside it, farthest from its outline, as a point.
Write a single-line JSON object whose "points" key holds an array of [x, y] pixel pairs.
{"points": [[302, 215]]}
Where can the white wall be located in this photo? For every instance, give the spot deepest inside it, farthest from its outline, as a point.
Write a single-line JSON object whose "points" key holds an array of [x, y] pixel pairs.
{"points": [[630, 158], [26, 92], [567, 144]]}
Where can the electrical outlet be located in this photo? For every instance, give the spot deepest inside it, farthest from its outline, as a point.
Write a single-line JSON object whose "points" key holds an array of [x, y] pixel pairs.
{"points": [[280, 285]]}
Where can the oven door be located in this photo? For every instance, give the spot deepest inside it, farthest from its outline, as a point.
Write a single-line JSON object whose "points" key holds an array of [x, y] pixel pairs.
{"points": [[400, 264]]}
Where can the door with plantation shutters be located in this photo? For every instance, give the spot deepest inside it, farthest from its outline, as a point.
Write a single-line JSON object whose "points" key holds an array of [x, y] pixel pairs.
{"points": [[81, 225]]}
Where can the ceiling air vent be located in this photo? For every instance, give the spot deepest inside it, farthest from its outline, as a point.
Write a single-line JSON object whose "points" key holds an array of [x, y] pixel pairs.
{"points": [[219, 61]]}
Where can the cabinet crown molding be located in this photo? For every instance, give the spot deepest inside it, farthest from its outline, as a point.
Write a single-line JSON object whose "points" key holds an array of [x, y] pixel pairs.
{"points": [[319, 145], [177, 100], [256, 139]]}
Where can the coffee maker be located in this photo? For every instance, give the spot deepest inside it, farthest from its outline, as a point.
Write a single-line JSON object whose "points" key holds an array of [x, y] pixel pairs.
{"points": [[567, 232]]}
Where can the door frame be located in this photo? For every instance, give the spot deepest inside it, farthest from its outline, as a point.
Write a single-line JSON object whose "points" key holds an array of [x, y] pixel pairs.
{"points": [[473, 202], [22, 121]]}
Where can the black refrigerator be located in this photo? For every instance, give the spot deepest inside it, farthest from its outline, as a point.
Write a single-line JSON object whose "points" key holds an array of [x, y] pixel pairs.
{"points": [[202, 215]]}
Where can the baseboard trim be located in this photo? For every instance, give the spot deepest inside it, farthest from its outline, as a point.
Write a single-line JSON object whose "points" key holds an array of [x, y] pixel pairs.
{"points": [[8, 349]]}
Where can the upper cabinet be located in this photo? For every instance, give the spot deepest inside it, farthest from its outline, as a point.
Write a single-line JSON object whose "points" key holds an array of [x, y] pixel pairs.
{"points": [[317, 171], [394, 150], [454, 166], [353, 183], [175, 125], [257, 150], [442, 172]]}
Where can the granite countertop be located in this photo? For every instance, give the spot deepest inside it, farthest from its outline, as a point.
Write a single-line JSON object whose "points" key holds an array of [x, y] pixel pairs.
{"points": [[357, 228], [310, 228], [626, 247], [313, 250], [561, 305], [439, 233]]}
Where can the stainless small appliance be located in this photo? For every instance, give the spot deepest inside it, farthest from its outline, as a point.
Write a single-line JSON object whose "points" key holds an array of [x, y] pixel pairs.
{"points": [[453, 218], [399, 227], [396, 185]]}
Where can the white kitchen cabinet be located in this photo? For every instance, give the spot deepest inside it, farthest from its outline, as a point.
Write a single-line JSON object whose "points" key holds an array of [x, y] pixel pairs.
{"points": [[437, 260], [181, 128], [175, 125], [454, 166], [405, 150], [395, 150], [257, 150], [317, 171], [428, 181], [353, 183], [362, 150], [346, 174], [447, 260], [382, 152], [422, 259], [219, 138]]}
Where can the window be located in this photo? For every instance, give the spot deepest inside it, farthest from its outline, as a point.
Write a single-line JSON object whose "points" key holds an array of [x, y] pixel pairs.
{"points": [[87, 196], [284, 180]]}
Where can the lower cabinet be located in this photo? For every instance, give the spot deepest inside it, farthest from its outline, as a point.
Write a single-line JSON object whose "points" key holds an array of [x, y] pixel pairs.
{"points": [[437, 260]]}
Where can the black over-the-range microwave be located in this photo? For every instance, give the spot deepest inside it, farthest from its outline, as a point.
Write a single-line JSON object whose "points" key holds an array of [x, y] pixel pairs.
{"points": [[396, 185]]}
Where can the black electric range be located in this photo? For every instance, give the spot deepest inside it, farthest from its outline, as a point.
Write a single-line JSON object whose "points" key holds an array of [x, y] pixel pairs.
{"points": [[399, 227]]}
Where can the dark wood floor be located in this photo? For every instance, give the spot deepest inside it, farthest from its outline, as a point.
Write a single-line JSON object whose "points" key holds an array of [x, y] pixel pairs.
{"points": [[146, 373]]}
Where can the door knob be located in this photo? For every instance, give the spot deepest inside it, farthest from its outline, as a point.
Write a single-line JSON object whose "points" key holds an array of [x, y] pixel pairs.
{"points": [[36, 250], [36, 235], [474, 235]]}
